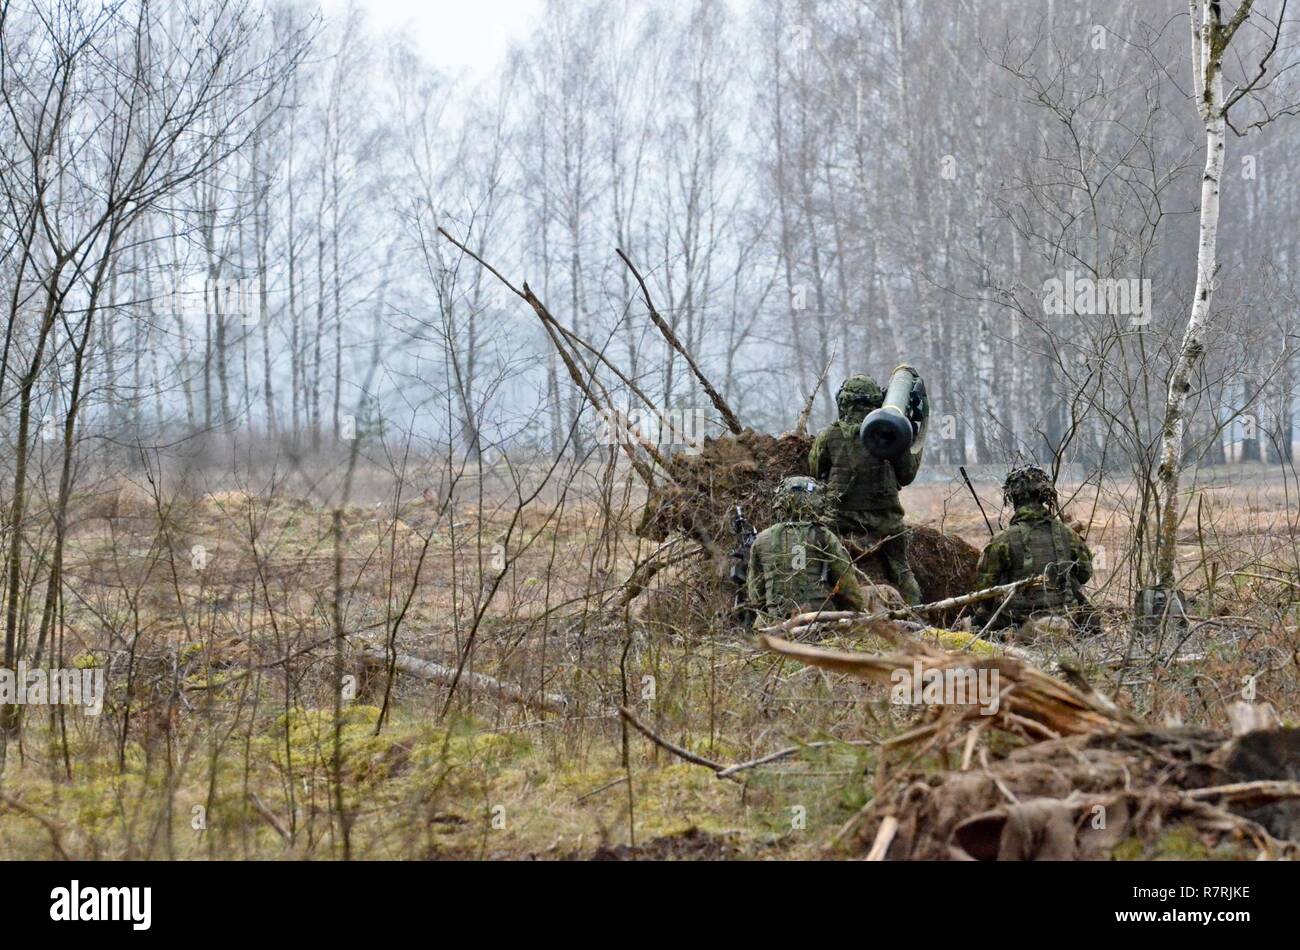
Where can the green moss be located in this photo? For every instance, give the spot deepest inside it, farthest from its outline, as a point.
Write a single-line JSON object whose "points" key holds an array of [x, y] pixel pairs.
{"points": [[966, 642], [1179, 843]]}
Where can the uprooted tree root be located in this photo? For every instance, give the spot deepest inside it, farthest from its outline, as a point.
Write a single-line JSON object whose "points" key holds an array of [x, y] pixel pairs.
{"points": [[743, 470], [1090, 781], [1137, 793]]}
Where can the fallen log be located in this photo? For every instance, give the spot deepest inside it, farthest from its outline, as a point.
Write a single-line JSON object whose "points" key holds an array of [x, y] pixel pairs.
{"points": [[446, 675]]}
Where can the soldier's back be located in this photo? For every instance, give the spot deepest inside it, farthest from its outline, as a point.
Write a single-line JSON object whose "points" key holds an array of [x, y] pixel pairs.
{"points": [[795, 560]]}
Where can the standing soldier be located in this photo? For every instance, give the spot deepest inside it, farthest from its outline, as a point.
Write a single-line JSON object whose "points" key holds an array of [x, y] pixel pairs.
{"points": [[863, 488], [1036, 542], [798, 564]]}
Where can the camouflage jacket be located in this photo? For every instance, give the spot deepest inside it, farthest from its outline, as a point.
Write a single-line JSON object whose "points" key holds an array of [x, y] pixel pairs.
{"points": [[863, 489], [1034, 542], [796, 566]]}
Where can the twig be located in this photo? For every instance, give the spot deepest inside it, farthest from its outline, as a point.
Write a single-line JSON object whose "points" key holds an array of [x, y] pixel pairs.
{"points": [[596, 791], [801, 427], [728, 417]]}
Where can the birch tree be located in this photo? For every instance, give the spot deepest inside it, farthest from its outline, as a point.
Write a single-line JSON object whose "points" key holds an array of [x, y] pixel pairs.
{"points": [[1211, 38]]}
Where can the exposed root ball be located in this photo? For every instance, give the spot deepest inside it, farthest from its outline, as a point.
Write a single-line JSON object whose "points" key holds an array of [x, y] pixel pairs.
{"points": [[744, 470]]}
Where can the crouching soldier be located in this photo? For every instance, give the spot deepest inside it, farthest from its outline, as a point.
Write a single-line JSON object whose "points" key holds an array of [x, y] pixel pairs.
{"points": [[798, 564], [864, 489], [1036, 542]]}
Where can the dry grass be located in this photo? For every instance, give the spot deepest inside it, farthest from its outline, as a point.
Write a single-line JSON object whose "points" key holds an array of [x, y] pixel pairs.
{"points": [[219, 738]]}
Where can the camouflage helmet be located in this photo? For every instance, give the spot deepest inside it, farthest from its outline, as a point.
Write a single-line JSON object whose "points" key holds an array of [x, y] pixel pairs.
{"points": [[858, 393], [800, 498], [1028, 484]]}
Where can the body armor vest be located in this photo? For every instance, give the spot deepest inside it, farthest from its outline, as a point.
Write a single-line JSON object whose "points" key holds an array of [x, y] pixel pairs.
{"points": [[794, 558], [858, 481], [1035, 543]]}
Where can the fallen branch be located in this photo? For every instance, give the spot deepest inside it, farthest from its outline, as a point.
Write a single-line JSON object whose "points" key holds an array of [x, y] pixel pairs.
{"points": [[1026, 693], [1246, 793], [663, 743], [720, 770], [646, 570], [965, 600], [446, 675], [558, 336], [728, 417], [268, 816], [789, 751], [802, 622], [884, 838]]}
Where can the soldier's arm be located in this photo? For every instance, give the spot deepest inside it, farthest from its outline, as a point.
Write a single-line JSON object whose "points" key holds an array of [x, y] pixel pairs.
{"points": [[989, 573], [847, 592], [1082, 569], [905, 468], [754, 587], [818, 459]]}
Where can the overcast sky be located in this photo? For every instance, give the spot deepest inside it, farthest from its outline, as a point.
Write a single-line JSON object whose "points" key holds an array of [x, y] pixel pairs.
{"points": [[469, 35]]}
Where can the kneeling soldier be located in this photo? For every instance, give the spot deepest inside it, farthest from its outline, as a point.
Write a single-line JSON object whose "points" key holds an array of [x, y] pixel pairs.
{"points": [[1036, 542], [798, 564]]}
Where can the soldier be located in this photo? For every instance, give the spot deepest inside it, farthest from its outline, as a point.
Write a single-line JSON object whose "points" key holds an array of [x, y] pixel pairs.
{"points": [[864, 490], [798, 564], [1036, 542]]}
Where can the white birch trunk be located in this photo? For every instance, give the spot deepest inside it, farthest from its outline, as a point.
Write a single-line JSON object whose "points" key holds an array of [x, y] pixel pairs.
{"points": [[1207, 87]]}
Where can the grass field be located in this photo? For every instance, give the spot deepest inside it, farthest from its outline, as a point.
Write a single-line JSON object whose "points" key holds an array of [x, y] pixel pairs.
{"points": [[239, 723]]}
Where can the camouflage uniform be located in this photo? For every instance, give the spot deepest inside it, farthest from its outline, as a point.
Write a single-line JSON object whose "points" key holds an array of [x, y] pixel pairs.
{"points": [[1036, 541], [864, 489], [799, 564]]}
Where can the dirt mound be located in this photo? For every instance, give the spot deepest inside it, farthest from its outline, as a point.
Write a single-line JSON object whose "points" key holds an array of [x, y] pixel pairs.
{"points": [[707, 486], [744, 471], [944, 564]]}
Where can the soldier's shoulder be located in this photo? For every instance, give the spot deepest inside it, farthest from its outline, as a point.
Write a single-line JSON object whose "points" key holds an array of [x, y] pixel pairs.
{"points": [[1002, 540], [822, 437], [1006, 534], [1069, 528]]}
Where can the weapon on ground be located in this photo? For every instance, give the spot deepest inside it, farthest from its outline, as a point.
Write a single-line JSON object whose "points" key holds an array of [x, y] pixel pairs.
{"points": [[966, 478], [899, 424]]}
